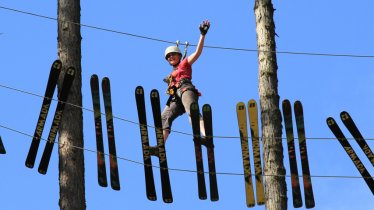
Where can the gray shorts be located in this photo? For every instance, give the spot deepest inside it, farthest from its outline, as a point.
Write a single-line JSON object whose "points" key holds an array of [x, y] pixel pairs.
{"points": [[175, 108]]}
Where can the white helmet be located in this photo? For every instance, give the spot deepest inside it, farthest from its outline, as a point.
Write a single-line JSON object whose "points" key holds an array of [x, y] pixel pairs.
{"points": [[172, 49]]}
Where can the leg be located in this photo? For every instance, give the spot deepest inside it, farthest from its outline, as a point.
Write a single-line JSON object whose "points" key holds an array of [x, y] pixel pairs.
{"points": [[169, 114], [202, 128], [188, 97]]}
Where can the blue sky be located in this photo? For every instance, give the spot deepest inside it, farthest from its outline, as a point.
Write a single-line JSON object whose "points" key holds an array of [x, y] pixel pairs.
{"points": [[325, 85]]}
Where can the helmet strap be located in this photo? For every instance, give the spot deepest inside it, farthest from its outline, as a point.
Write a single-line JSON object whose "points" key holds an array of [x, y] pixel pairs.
{"points": [[176, 65]]}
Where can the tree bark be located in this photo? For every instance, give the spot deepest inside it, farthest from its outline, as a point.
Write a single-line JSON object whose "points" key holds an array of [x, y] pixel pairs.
{"points": [[271, 119], [71, 160]]}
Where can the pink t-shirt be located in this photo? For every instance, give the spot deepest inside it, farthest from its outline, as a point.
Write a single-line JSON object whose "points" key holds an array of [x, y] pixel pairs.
{"points": [[184, 70]]}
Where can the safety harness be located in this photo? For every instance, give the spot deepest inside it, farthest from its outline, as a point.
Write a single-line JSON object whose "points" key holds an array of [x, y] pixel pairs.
{"points": [[175, 94]]}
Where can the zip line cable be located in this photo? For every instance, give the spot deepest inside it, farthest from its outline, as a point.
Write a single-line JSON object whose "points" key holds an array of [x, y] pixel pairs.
{"points": [[151, 126], [184, 170], [87, 109], [84, 25], [170, 42]]}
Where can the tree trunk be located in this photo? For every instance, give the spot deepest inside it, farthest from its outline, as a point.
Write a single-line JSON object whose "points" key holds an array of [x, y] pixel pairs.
{"points": [[71, 160], [271, 120]]}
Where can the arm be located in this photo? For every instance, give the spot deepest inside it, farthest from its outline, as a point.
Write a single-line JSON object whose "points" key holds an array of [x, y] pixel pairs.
{"points": [[199, 49]]}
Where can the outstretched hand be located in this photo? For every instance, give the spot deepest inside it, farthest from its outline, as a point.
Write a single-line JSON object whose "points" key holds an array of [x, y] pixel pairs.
{"points": [[204, 27]]}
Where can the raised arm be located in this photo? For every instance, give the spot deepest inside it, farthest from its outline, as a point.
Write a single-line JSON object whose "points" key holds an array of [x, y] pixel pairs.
{"points": [[204, 27]]}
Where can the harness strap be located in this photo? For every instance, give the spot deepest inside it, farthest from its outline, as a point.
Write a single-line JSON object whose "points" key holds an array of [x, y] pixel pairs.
{"points": [[189, 88]]}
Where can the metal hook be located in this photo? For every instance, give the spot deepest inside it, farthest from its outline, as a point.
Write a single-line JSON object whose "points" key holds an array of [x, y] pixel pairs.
{"points": [[185, 50]]}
